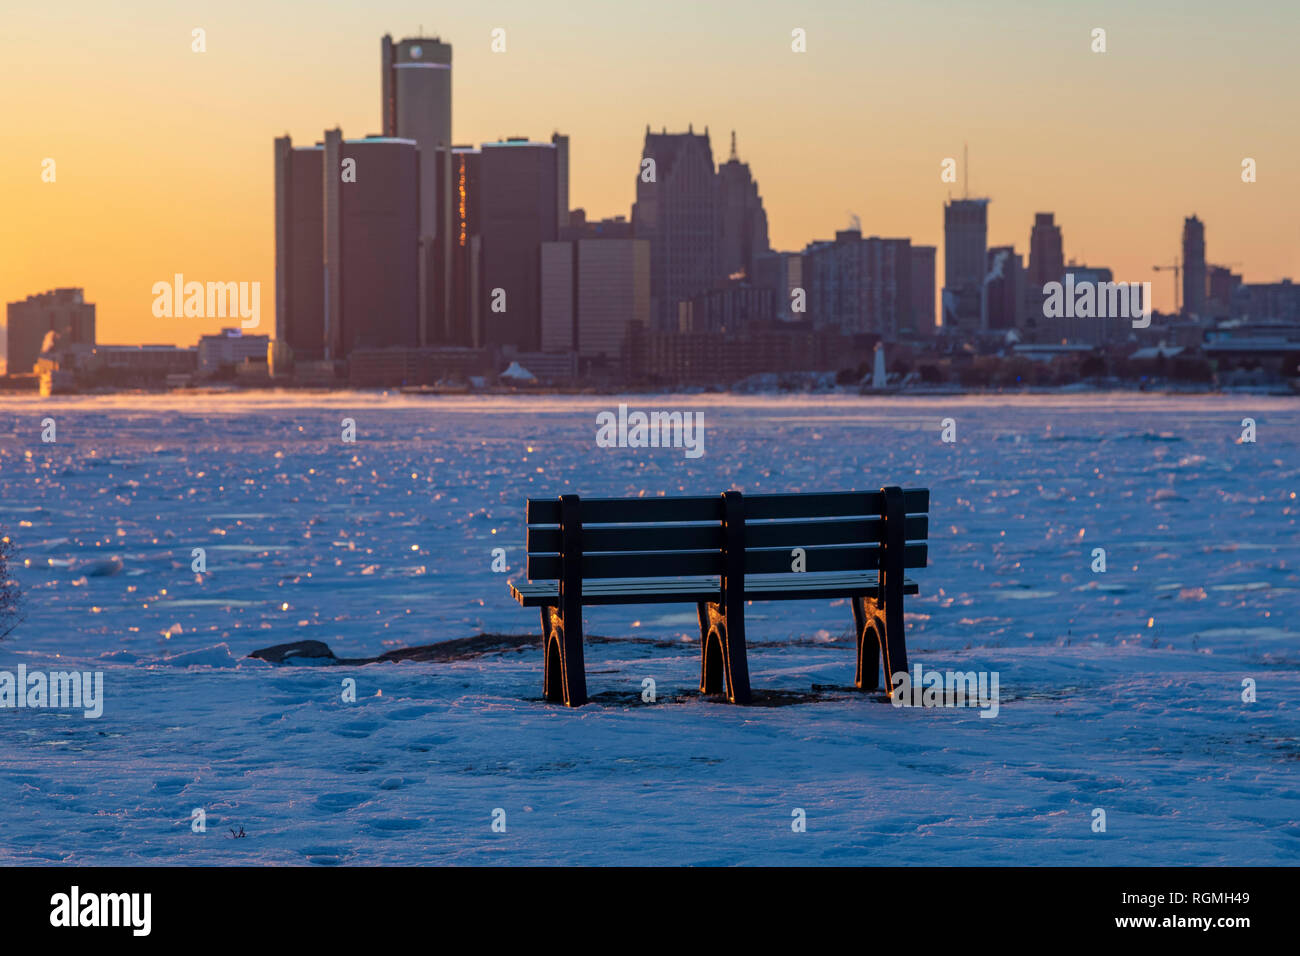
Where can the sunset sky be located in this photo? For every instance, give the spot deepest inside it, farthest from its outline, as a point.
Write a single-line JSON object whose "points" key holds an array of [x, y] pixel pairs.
{"points": [[164, 160]]}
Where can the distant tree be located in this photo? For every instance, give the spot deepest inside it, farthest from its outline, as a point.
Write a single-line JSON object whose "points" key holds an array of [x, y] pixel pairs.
{"points": [[1093, 366], [975, 375], [931, 374], [10, 597], [1192, 370]]}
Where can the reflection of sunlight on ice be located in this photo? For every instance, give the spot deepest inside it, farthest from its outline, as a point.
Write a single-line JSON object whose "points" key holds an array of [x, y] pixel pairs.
{"points": [[389, 539]]}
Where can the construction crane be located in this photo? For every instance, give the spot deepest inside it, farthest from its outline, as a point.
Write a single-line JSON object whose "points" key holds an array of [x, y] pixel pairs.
{"points": [[1177, 269]]}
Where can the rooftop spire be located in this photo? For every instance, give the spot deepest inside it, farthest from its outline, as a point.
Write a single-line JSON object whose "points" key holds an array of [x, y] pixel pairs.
{"points": [[733, 146]]}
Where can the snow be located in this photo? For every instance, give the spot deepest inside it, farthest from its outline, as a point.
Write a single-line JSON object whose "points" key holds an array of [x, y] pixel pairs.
{"points": [[1120, 690]]}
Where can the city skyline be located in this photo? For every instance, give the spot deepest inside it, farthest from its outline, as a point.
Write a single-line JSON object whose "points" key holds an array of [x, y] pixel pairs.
{"points": [[192, 193]]}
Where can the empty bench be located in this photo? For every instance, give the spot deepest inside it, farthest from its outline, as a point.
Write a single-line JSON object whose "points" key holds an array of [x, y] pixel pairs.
{"points": [[717, 553]]}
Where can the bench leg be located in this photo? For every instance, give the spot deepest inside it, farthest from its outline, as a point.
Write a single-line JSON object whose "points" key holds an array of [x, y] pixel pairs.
{"points": [[880, 635], [723, 655], [868, 640], [565, 673], [893, 643]]}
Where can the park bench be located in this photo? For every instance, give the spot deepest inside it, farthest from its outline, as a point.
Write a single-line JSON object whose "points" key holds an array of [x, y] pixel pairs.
{"points": [[717, 553]]}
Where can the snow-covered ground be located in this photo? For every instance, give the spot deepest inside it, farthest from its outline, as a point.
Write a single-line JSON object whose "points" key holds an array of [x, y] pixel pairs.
{"points": [[1119, 690]]}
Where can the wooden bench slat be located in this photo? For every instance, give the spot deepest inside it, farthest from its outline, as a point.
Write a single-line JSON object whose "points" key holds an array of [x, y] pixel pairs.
{"points": [[834, 504], [774, 587], [804, 534], [797, 587], [660, 591], [673, 564], [668, 564], [788, 534], [859, 558], [629, 510], [662, 537]]}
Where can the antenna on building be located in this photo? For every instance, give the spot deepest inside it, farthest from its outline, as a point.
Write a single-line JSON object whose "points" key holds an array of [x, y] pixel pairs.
{"points": [[733, 145]]}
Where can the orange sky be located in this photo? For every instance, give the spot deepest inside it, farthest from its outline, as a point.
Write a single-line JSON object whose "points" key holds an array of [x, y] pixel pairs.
{"points": [[163, 155]]}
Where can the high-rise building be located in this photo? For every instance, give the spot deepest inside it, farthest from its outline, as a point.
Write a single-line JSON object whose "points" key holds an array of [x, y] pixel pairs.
{"points": [[518, 214], [1046, 264], [1263, 302], [923, 260], [416, 75], [561, 178], [782, 274], [677, 210], [737, 308], [1222, 285], [965, 250], [465, 315], [64, 312], [1194, 267], [1003, 289], [559, 296], [593, 290], [579, 227], [888, 287], [372, 243], [859, 285], [299, 248], [1046, 251], [742, 230]]}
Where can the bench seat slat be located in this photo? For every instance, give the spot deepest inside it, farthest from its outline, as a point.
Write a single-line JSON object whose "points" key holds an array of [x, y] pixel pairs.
{"points": [[767, 587], [614, 591]]}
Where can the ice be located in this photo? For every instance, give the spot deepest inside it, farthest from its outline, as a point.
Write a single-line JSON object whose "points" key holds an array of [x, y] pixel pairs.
{"points": [[1120, 690]]}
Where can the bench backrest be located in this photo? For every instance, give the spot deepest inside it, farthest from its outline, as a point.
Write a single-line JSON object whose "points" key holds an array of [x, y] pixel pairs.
{"points": [[682, 537]]}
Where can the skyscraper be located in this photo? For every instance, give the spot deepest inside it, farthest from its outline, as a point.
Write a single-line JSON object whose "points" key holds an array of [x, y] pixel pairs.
{"points": [[1046, 251], [65, 312], [465, 318], [742, 232], [965, 249], [592, 291], [859, 285], [561, 179], [417, 106], [1193, 267], [923, 258], [299, 248], [518, 213], [1003, 289], [372, 243], [781, 273], [677, 210]]}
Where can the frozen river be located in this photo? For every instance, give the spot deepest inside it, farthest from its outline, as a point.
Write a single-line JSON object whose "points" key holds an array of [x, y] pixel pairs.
{"points": [[1121, 690]]}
